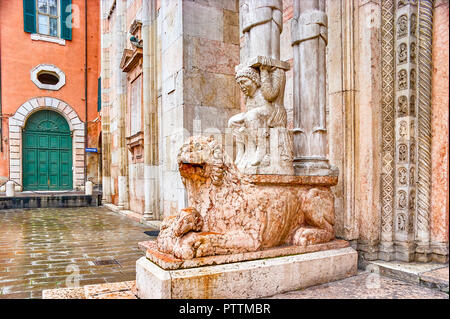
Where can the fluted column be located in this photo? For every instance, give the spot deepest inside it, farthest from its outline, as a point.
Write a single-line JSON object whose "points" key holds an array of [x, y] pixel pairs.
{"points": [[309, 41]]}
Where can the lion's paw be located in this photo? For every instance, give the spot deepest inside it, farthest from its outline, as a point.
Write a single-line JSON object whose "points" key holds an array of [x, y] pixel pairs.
{"points": [[308, 236]]}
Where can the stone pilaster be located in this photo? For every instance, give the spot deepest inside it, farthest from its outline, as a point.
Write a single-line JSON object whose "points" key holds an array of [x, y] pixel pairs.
{"points": [[439, 210], [120, 38], [105, 75], [150, 101]]}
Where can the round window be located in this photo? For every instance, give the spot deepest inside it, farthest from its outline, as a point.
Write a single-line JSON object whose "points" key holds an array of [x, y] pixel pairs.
{"points": [[46, 77]]}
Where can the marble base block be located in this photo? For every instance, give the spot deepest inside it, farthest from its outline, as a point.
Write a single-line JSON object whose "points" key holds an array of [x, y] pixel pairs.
{"points": [[248, 279]]}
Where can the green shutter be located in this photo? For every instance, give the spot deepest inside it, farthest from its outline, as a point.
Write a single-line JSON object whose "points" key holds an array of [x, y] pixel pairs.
{"points": [[29, 16], [99, 94], [66, 14]]}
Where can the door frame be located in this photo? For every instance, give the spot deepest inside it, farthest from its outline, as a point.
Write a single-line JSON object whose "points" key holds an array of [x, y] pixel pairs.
{"points": [[17, 123]]}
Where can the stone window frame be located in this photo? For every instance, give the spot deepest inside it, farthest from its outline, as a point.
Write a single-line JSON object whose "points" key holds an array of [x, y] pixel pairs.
{"points": [[48, 68], [17, 123]]}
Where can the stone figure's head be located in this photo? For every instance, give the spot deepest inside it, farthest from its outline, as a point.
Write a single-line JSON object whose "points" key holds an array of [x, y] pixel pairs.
{"points": [[249, 80], [202, 158]]}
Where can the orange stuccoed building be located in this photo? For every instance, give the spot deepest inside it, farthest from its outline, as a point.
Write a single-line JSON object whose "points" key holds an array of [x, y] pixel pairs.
{"points": [[50, 98]]}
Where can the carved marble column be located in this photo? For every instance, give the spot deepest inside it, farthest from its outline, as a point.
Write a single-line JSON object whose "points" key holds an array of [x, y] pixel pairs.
{"points": [[424, 67], [262, 23], [309, 41], [264, 144]]}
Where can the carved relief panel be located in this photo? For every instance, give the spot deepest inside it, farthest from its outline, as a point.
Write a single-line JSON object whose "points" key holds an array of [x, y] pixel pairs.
{"points": [[405, 112]]}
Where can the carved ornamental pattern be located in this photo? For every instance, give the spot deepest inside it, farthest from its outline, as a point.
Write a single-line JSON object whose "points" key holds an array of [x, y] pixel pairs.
{"points": [[406, 86]]}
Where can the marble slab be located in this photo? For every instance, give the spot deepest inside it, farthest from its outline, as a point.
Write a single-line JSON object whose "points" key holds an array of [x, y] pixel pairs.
{"points": [[169, 262]]}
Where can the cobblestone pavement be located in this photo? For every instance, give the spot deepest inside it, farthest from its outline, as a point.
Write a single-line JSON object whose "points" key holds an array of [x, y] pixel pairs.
{"points": [[46, 248]]}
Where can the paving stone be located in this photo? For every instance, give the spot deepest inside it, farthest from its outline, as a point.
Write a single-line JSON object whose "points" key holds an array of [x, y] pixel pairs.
{"points": [[45, 246], [436, 279], [366, 285]]}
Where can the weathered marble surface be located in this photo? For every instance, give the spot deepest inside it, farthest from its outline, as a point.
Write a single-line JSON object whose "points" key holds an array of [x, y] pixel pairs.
{"points": [[228, 214], [250, 279], [169, 262], [439, 214]]}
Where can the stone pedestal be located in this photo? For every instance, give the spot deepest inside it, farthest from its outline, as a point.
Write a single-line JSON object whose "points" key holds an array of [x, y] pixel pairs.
{"points": [[88, 188], [246, 279], [10, 189]]}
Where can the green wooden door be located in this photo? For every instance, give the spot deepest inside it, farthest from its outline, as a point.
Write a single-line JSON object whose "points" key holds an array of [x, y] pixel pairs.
{"points": [[47, 152]]}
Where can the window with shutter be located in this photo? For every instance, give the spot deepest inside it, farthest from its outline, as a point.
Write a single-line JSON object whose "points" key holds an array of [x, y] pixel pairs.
{"points": [[29, 16], [66, 19], [48, 17]]}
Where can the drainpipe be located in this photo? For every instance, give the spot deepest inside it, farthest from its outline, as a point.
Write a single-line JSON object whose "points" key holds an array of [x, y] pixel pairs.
{"points": [[85, 90]]}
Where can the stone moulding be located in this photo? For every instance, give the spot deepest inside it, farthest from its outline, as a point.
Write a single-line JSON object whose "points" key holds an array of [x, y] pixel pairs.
{"points": [[388, 140], [169, 262]]}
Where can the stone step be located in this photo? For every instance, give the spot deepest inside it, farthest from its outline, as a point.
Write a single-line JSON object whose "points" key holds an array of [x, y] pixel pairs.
{"points": [[431, 275], [116, 290]]}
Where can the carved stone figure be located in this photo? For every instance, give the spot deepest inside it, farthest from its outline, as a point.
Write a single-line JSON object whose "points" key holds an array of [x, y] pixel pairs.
{"points": [[402, 108], [412, 79], [412, 151], [262, 23], [413, 24], [263, 88], [401, 222], [412, 199], [402, 175], [403, 129], [402, 200], [402, 79], [411, 176], [402, 152], [412, 52], [402, 26], [229, 214], [412, 105], [402, 53]]}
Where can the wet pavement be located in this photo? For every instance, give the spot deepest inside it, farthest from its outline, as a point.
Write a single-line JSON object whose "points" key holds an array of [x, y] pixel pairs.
{"points": [[50, 248]]}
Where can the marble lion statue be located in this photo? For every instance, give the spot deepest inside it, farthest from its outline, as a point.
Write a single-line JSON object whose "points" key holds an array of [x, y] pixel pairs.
{"points": [[228, 214]]}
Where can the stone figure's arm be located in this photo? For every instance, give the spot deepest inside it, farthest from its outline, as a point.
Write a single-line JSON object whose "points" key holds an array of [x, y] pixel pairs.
{"points": [[270, 83]]}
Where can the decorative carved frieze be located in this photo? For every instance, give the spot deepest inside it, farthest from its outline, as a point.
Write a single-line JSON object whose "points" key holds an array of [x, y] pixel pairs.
{"points": [[405, 69], [388, 124]]}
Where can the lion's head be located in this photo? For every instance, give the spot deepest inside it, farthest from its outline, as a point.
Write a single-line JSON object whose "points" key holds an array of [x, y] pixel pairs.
{"points": [[201, 158]]}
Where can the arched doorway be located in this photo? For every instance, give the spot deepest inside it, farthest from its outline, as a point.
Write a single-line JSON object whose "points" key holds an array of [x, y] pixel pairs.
{"points": [[47, 152]]}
